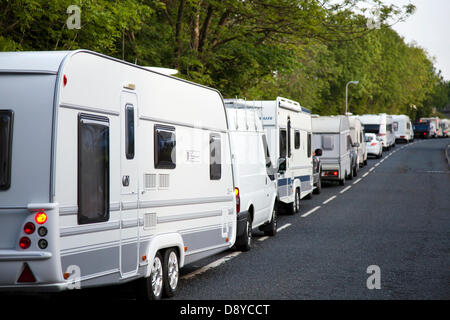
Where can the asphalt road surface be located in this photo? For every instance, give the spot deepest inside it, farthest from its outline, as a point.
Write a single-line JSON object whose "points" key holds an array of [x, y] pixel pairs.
{"points": [[390, 224], [394, 215]]}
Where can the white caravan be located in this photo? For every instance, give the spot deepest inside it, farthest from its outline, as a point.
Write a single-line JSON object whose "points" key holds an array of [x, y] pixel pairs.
{"points": [[358, 139], [402, 128], [445, 125], [381, 125], [332, 135], [288, 130], [110, 172], [254, 176]]}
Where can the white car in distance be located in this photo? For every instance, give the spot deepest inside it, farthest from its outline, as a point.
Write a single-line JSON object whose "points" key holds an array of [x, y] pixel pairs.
{"points": [[373, 145]]}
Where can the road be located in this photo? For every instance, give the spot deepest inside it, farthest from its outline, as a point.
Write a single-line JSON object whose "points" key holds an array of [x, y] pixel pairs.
{"points": [[395, 215]]}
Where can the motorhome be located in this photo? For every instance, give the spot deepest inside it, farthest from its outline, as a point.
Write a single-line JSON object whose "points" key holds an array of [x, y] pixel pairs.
{"points": [[254, 175], [358, 139], [331, 134], [445, 125], [381, 125], [287, 126], [435, 126], [402, 127], [110, 172]]}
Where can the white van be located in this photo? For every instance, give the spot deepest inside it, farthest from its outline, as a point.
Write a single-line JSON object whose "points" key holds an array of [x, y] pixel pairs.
{"points": [[358, 139], [254, 176], [113, 173], [381, 125], [435, 127], [288, 130], [332, 135], [402, 128], [445, 125]]}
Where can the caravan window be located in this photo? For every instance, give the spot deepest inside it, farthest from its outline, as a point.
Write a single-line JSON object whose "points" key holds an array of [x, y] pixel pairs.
{"points": [[6, 131], [215, 157], [327, 142], [165, 144], [395, 126], [309, 145], [372, 128], [289, 137], [93, 168], [349, 143], [282, 143], [297, 139], [389, 128], [129, 131]]}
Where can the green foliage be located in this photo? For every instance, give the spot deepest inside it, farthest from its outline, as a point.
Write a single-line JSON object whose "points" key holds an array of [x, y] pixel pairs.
{"points": [[306, 50]]}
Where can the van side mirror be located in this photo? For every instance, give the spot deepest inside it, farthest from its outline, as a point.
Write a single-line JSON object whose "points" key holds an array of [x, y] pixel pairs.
{"points": [[281, 165], [318, 152], [356, 145]]}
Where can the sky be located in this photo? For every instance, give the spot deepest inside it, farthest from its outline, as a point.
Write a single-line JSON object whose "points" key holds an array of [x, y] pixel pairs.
{"points": [[429, 27]]}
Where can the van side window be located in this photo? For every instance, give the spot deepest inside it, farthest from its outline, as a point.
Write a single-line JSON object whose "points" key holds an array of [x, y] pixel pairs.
{"points": [[165, 147], [6, 131], [93, 168], [349, 143], [282, 143], [309, 145], [297, 139], [129, 131], [215, 157]]}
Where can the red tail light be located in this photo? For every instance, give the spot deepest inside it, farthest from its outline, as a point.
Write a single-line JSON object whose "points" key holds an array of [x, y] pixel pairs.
{"points": [[381, 134], [373, 144], [335, 173], [238, 200], [424, 133], [40, 217], [24, 242], [26, 275], [29, 228]]}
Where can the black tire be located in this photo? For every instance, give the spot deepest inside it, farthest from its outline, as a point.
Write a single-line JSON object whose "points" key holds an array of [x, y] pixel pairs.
{"points": [[342, 182], [271, 229], [365, 162], [350, 175], [145, 289], [355, 171], [171, 274], [244, 242]]}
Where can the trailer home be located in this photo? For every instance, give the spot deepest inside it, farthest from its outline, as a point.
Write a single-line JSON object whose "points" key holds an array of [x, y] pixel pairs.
{"points": [[358, 139], [381, 125], [254, 176], [435, 126], [287, 126], [402, 127], [332, 135], [110, 172]]}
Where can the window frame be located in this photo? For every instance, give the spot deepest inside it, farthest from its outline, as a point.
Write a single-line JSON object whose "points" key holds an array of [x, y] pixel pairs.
{"points": [[130, 139], [297, 142], [99, 121], [164, 164], [284, 131], [8, 150]]}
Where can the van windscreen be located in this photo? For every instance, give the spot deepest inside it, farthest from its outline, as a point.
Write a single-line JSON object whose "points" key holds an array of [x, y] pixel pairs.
{"points": [[6, 124], [372, 128]]}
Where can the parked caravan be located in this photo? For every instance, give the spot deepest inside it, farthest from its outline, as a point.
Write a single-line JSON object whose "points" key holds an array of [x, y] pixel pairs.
{"points": [[402, 127], [111, 173], [287, 126], [332, 135], [254, 176], [381, 125], [358, 139], [445, 125], [435, 127]]}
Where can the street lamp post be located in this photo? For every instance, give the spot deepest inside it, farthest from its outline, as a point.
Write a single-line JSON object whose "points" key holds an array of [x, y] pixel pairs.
{"points": [[346, 93]]}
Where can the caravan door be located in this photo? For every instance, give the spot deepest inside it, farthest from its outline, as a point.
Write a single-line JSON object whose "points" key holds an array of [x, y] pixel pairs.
{"points": [[129, 185], [283, 180]]}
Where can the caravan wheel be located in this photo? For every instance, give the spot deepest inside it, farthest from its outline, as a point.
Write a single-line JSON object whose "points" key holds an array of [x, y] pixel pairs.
{"points": [[272, 226], [151, 288], [171, 272], [294, 207]]}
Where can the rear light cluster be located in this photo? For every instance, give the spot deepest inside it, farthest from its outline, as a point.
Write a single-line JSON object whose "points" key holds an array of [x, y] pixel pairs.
{"points": [[238, 200], [333, 173], [29, 228], [373, 144]]}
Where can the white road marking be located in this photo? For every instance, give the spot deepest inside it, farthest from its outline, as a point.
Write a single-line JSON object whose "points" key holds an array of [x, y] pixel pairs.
{"points": [[371, 169], [326, 201], [263, 238], [377, 164], [342, 191], [357, 181], [309, 212], [212, 265], [283, 227], [365, 174]]}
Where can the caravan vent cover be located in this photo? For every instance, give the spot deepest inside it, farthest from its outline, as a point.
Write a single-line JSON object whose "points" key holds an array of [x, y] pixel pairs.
{"points": [[149, 181], [327, 142], [163, 180], [149, 220]]}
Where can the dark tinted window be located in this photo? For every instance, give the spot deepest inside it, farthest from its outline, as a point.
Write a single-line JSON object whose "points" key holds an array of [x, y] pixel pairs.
{"points": [[165, 151], [372, 128], [282, 143], [297, 139], [93, 168], [289, 138], [129, 131], [309, 145], [269, 168], [6, 131], [215, 157]]}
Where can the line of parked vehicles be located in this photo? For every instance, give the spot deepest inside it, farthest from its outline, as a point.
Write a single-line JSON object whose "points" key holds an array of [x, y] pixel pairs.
{"points": [[112, 172]]}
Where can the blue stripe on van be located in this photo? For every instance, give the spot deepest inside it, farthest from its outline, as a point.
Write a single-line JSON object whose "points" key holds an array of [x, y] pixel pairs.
{"points": [[305, 110], [285, 181]]}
